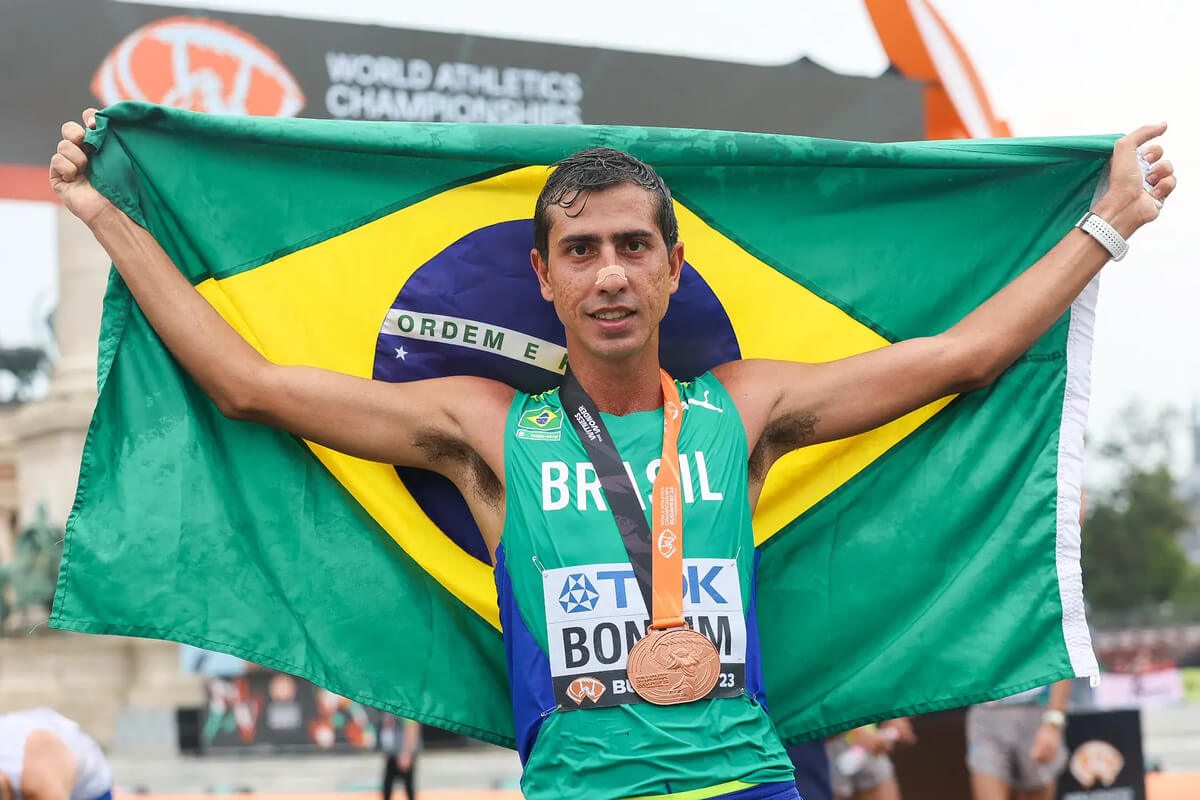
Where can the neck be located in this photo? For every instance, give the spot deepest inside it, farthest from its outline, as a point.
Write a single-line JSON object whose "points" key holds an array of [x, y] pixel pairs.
{"points": [[622, 387]]}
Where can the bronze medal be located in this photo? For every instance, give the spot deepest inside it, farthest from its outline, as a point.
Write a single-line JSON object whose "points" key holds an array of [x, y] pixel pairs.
{"points": [[673, 666]]}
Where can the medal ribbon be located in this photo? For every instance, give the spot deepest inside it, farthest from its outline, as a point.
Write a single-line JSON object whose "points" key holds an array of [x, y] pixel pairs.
{"points": [[655, 554], [667, 513]]}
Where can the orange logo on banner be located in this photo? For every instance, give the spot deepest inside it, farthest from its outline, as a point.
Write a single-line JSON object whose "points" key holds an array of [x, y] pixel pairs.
{"points": [[1095, 762], [201, 65]]}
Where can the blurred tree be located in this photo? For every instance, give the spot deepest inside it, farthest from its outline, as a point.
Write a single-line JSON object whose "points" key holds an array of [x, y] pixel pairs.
{"points": [[1131, 552]]}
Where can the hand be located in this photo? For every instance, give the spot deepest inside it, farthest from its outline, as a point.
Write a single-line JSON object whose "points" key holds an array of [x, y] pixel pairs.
{"points": [[902, 729], [68, 172], [1127, 205], [873, 740], [1046, 743]]}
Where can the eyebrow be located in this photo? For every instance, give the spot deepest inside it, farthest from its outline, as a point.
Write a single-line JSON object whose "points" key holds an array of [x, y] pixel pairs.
{"points": [[591, 238]]}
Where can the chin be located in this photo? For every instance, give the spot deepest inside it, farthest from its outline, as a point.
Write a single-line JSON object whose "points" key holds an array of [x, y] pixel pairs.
{"points": [[616, 349]]}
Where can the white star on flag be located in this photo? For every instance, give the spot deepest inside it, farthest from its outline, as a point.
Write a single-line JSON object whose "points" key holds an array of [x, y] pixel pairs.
{"points": [[401, 353]]}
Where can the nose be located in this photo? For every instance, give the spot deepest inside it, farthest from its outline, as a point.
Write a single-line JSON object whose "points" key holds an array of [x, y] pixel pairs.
{"points": [[611, 279]]}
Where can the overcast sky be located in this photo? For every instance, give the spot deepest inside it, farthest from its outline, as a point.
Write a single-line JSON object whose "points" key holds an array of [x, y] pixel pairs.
{"points": [[1051, 68]]}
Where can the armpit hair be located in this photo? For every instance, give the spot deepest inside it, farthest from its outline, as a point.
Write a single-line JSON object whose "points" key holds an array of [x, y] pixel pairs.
{"points": [[479, 478], [789, 432]]}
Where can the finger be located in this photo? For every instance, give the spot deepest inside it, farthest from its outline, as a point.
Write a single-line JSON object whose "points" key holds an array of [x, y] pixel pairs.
{"points": [[61, 166], [1161, 170], [73, 153], [73, 131], [1163, 188], [1142, 135], [1151, 152], [89, 117]]}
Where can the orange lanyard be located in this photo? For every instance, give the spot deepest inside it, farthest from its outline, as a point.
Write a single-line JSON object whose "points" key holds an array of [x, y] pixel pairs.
{"points": [[667, 517]]}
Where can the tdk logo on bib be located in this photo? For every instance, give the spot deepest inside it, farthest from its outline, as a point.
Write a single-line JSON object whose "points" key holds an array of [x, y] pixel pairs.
{"points": [[578, 594], [595, 614]]}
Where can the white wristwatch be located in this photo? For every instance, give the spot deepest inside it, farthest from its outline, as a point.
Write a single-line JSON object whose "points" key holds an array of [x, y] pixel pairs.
{"points": [[1052, 716], [1102, 232]]}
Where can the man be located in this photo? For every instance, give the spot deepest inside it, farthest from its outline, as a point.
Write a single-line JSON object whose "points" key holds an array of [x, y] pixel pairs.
{"points": [[400, 740], [1016, 744], [606, 254], [45, 756]]}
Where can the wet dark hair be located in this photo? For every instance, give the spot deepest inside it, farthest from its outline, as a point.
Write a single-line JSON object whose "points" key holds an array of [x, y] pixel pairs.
{"points": [[594, 170]]}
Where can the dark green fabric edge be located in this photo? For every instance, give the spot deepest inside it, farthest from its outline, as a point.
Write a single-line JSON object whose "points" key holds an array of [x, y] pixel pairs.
{"points": [[667, 147], [915, 709], [125, 165]]}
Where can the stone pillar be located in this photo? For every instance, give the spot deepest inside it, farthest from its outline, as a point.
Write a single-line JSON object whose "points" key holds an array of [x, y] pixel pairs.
{"points": [[50, 431]]}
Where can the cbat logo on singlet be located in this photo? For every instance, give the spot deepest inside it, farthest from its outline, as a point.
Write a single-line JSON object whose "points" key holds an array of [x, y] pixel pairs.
{"points": [[541, 424]]}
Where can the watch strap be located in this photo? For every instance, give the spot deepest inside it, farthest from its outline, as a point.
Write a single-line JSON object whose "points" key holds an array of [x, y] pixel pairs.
{"points": [[1052, 716], [1096, 227]]}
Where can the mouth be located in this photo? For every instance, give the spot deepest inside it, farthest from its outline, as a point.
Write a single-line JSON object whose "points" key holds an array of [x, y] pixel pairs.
{"points": [[612, 314], [613, 320]]}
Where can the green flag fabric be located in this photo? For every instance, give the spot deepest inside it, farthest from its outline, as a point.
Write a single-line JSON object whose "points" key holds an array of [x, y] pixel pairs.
{"points": [[931, 563]]}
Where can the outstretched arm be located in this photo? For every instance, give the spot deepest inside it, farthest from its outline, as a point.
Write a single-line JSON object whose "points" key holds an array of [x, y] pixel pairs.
{"points": [[788, 405], [425, 424]]}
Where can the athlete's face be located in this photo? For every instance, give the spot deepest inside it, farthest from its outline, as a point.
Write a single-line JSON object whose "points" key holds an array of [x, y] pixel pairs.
{"points": [[617, 226]]}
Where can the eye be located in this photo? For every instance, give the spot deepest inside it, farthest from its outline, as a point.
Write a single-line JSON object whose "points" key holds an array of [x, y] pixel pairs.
{"points": [[578, 250], [637, 246]]}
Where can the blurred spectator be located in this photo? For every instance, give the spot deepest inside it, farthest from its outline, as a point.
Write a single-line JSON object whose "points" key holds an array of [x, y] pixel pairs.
{"points": [[860, 766], [1017, 744], [45, 755], [400, 740]]}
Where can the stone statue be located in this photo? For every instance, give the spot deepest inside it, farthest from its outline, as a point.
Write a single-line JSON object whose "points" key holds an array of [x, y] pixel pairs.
{"points": [[27, 582], [24, 365]]}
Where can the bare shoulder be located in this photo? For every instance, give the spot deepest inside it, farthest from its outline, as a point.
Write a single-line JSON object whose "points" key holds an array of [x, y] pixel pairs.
{"points": [[754, 386], [479, 395], [479, 407]]}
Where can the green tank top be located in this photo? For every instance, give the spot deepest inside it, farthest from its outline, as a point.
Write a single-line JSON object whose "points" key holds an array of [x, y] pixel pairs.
{"points": [[571, 607]]}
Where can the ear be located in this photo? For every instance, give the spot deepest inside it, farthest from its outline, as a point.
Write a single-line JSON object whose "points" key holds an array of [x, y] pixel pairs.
{"points": [[541, 268], [675, 264]]}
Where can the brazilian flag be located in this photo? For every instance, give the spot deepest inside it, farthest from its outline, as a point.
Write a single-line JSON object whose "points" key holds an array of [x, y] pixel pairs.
{"points": [[927, 564]]}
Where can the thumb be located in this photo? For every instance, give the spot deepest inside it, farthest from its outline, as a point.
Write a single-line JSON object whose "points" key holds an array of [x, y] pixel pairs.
{"points": [[1142, 135]]}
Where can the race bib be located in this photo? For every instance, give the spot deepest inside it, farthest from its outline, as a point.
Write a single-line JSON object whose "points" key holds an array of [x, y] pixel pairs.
{"points": [[595, 614]]}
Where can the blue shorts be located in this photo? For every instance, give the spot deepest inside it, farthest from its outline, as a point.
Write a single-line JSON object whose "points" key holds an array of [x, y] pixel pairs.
{"points": [[764, 791], [106, 796]]}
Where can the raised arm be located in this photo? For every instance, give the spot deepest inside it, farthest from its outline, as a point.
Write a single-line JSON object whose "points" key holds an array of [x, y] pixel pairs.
{"points": [[787, 405], [428, 424]]}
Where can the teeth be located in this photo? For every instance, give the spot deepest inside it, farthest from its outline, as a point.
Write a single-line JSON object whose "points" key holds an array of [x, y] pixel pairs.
{"points": [[611, 314]]}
